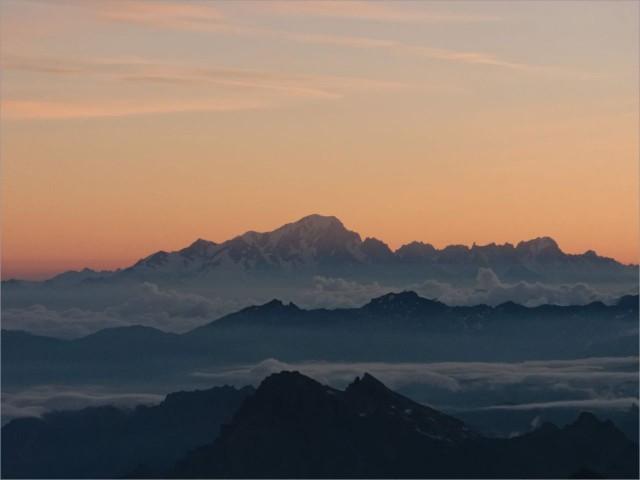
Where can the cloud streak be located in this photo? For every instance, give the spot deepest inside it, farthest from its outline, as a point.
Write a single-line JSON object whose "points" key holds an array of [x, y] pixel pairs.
{"points": [[488, 290], [35, 402], [574, 375], [195, 88], [360, 10], [159, 14], [45, 110], [164, 309], [177, 311], [622, 403], [588, 383], [206, 18]]}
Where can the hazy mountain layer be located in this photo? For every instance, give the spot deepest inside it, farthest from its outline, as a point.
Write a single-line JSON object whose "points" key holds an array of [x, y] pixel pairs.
{"points": [[394, 328]]}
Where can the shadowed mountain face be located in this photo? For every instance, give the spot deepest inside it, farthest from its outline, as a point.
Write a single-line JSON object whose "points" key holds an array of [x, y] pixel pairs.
{"points": [[294, 427], [108, 442]]}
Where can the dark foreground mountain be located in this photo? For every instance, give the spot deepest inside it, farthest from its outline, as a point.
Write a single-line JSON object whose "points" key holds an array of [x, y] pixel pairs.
{"points": [[108, 442], [294, 427]]}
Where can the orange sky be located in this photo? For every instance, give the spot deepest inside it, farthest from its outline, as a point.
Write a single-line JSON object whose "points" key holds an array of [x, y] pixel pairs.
{"points": [[130, 127]]}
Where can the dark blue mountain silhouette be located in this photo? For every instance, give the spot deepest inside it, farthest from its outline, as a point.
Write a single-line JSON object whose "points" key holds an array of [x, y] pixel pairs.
{"points": [[109, 442], [294, 427]]}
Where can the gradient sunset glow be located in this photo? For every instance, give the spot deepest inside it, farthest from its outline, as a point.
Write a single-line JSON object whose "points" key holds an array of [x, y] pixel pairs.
{"points": [[131, 126]]}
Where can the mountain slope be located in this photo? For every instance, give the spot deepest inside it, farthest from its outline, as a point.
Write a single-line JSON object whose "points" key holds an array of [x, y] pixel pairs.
{"points": [[294, 427], [107, 442]]}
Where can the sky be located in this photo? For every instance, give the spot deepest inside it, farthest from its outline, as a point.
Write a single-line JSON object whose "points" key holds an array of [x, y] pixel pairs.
{"points": [[129, 127]]}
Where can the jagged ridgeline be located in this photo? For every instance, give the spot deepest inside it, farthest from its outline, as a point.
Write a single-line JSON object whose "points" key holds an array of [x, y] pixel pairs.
{"points": [[393, 327], [318, 245], [295, 427]]}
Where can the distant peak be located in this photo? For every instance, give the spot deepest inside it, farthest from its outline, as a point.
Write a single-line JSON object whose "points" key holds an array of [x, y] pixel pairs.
{"points": [[200, 246], [367, 382], [315, 222], [404, 297], [317, 218], [276, 304], [374, 241], [394, 297], [288, 384], [538, 245], [588, 418], [367, 378], [201, 242]]}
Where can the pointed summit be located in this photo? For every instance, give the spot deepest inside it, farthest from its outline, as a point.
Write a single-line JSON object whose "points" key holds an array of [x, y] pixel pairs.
{"points": [[319, 221], [539, 247], [314, 240], [199, 248], [406, 303]]}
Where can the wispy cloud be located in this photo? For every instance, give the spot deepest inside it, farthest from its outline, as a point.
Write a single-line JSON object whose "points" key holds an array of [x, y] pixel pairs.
{"points": [[208, 18], [150, 305], [360, 10], [36, 401], [587, 383], [44, 110], [622, 403], [489, 289], [150, 70], [202, 16], [217, 89], [451, 376]]}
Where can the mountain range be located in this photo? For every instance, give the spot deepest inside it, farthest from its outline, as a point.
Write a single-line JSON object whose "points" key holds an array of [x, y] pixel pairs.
{"points": [[321, 245], [393, 327], [294, 427]]}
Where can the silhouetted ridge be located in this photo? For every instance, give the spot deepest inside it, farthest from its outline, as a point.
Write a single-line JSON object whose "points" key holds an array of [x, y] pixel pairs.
{"points": [[322, 245], [376, 250], [294, 427], [545, 246], [406, 302], [109, 442], [199, 248], [287, 383], [630, 301]]}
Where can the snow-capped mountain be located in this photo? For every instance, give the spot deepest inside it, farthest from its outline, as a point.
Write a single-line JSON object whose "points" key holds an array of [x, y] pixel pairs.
{"points": [[313, 242], [317, 245]]}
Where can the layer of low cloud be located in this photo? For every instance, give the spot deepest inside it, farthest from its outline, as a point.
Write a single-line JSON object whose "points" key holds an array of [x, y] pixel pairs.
{"points": [[586, 384], [451, 376], [622, 403], [165, 309], [488, 290], [178, 311], [34, 402], [591, 383]]}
